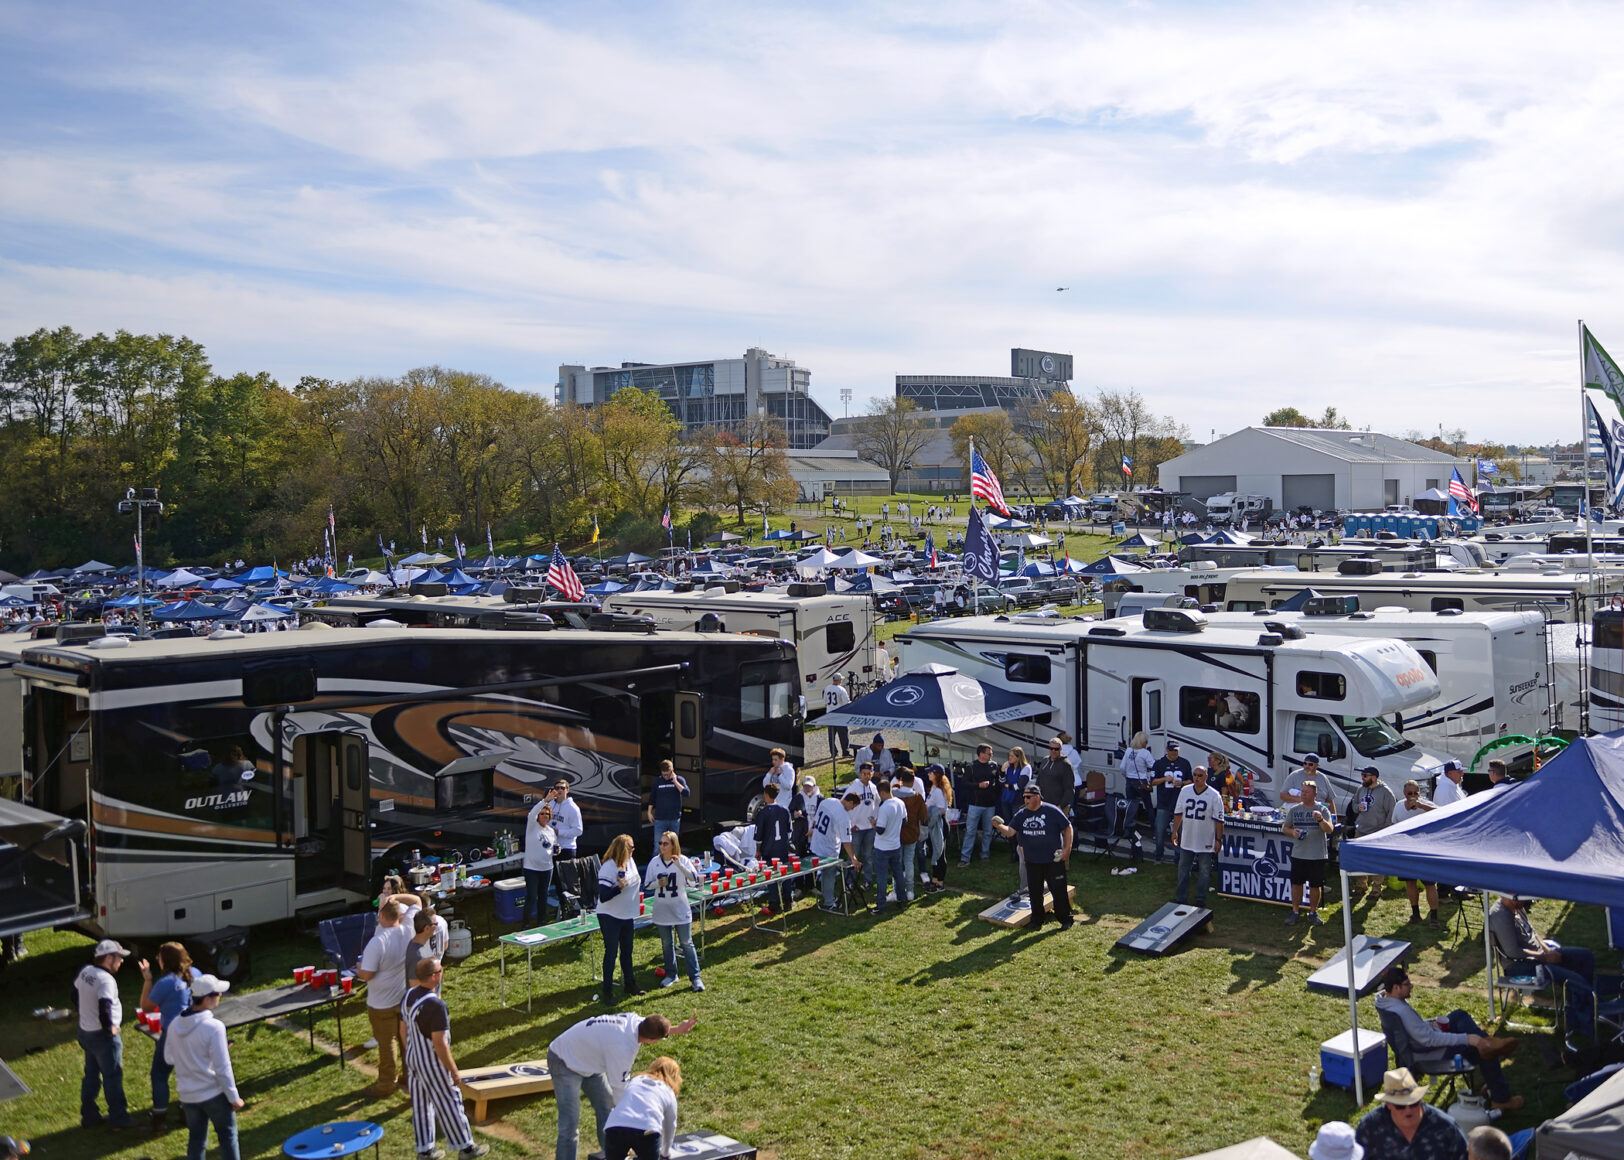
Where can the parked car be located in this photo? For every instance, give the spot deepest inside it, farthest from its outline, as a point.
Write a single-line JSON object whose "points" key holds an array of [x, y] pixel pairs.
{"points": [[1023, 591]]}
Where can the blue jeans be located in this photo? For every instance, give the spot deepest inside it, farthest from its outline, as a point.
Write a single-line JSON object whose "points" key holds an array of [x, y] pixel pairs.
{"points": [[617, 938], [1463, 1024], [888, 869], [217, 1111], [665, 826], [679, 936], [536, 883], [104, 1068], [826, 877], [910, 863], [1138, 800], [1203, 863], [161, 1071], [862, 848], [1164, 827], [977, 821], [567, 1089]]}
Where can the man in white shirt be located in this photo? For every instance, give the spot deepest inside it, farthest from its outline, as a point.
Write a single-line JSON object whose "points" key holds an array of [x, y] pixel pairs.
{"points": [[1448, 791], [862, 818], [596, 1057], [196, 1047], [780, 773], [882, 664], [830, 838], [566, 819], [835, 697], [889, 819], [1198, 832], [383, 969], [101, 1016]]}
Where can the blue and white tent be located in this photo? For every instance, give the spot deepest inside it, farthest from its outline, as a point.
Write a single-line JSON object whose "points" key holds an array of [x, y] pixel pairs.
{"points": [[936, 699]]}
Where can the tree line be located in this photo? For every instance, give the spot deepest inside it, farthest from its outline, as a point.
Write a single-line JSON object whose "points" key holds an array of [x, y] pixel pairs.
{"points": [[248, 467]]}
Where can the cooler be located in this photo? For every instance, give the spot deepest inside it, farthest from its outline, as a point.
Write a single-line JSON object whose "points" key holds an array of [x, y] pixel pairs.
{"points": [[509, 900], [1336, 1059]]}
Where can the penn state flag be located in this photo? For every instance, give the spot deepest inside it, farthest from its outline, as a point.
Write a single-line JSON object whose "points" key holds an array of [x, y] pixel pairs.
{"points": [[980, 553]]}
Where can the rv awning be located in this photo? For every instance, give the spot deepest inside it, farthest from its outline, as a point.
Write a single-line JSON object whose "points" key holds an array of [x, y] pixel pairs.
{"points": [[936, 699], [24, 825]]}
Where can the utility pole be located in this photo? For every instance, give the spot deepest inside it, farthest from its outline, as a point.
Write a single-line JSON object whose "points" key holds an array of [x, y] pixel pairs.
{"points": [[140, 504], [845, 402]]}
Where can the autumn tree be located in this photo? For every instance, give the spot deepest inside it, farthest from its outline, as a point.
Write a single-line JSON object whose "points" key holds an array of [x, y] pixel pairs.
{"points": [[1003, 447], [1063, 432], [747, 467], [891, 435]]}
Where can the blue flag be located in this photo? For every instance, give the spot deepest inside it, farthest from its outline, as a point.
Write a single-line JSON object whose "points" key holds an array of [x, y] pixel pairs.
{"points": [[980, 553], [1487, 467]]}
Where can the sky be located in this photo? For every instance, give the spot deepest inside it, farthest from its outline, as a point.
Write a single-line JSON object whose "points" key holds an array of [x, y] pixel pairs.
{"points": [[1400, 210]]}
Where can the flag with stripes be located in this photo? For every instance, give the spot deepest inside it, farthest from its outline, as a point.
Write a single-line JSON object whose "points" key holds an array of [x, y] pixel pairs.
{"points": [[562, 577], [1127, 466], [665, 520], [1459, 491], [985, 484], [1611, 438]]}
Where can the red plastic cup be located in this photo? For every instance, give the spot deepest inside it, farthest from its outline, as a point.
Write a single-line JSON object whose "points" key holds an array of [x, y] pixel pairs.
{"points": [[348, 983], [716, 887], [642, 908], [715, 874], [796, 865], [752, 878], [814, 863], [302, 974]]}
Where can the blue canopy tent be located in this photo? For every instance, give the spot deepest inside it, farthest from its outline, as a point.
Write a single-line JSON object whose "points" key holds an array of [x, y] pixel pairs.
{"points": [[1005, 525], [259, 613], [604, 588], [456, 578], [1108, 566], [1558, 834], [92, 566], [777, 534], [263, 574], [1140, 540], [1037, 568], [330, 586], [221, 584], [188, 610], [936, 699]]}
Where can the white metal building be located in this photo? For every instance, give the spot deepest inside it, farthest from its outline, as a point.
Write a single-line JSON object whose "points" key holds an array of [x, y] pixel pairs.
{"points": [[1294, 466]]}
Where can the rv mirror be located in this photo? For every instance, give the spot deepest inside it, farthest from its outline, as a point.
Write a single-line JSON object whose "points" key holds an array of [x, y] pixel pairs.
{"points": [[1325, 746]]}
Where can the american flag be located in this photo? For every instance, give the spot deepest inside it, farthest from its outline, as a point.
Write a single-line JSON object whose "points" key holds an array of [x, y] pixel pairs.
{"points": [[665, 520], [562, 577], [985, 484], [1459, 490], [1127, 466]]}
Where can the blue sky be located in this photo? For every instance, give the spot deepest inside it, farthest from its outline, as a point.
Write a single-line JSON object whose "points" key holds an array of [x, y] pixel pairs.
{"points": [[1399, 210]]}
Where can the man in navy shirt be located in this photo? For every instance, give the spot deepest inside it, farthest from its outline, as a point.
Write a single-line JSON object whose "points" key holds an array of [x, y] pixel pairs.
{"points": [[1043, 833], [773, 829], [1168, 776], [665, 801]]}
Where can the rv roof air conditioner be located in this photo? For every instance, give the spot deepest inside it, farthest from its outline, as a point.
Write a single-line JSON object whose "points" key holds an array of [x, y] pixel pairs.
{"points": [[1174, 620], [682, 586], [505, 620], [1451, 612], [1285, 631], [807, 588], [515, 594], [1107, 630], [728, 586], [620, 622], [428, 588], [1360, 566], [1270, 640], [710, 622]]}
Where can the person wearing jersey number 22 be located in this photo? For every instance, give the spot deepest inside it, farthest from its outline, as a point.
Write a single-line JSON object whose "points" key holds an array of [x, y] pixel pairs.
{"points": [[1198, 833]]}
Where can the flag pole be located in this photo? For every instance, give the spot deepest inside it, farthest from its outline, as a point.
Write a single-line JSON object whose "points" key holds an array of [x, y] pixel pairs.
{"points": [[975, 581], [1584, 488]]}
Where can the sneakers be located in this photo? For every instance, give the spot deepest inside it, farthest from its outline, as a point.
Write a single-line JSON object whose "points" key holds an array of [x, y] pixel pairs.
{"points": [[827, 909], [669, 980], [1291, 919], [434, 1153], [473, 1151], [1314, 919], [1068, 924], [924, 876], [1415, 916], [1434, 921], [697, 985], [369, 1045]]}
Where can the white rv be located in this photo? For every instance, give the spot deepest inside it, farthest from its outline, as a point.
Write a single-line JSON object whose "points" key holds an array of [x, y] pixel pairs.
{"points": [[831, 634], [1261, 698], [1563, 596], [1233, 507]]}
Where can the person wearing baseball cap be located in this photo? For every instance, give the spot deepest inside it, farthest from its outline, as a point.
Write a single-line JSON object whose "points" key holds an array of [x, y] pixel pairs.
{"points": [[196, 1049], [101, 1015], [1167, 776], [1406, 1125], [1448, 789]]}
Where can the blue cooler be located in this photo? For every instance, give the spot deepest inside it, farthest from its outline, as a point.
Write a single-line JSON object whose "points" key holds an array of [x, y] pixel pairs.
{"points": [[1336, 1059], [510, 900]]}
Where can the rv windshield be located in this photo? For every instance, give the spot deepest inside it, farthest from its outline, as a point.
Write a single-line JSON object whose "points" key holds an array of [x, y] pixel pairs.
{"points": [[1373, 737]]}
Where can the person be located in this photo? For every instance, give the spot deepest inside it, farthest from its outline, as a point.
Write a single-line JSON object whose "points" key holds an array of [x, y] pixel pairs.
{"points": [[1448, 791], [882, 663], [668, 876], [880, 757], [831, 838], [1523, 950], [540, 847], [1432, 1041], [196, 1048], [420, 946], [1198, 833], [169, 994], [1167, 778], [1486, 1142], [862, 820], [835, 697], [566, 819], [938, 800], [1017, 773], [1136, 766], [918, 815], [432, 1076], [1043, 834], [803, 808], [1291, 793], [1406, 1127], [1335, 1141], [983, 781], [1412, 805], [1308, 823], [594, 1058], [644, 1122], [889, 819], [383, 969], [780, 773], [665, 800], [773, 832], [101, 1016], [1497, 774], [1372, 806], [619, 902], [1056, 778]]}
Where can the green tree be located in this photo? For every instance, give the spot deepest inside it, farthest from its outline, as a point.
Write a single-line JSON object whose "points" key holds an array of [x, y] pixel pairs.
{"points": [[1287, 417], [890, 435], [1003, 447], [1063, 432], [747, 468]]}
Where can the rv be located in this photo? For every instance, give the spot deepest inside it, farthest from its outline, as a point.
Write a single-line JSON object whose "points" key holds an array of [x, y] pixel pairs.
{"points": [[831, 633], [1563, 596], [236, 780], [1234, 508], [1261, 698]]}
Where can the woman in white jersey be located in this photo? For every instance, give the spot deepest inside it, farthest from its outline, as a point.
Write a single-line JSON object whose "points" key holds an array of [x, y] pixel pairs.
{"points": [[668, 876]]}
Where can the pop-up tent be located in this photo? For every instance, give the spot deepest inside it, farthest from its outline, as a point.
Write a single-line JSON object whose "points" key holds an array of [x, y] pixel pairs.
{"points": [[1558, 834], [936, 699], [1593, 1127]]}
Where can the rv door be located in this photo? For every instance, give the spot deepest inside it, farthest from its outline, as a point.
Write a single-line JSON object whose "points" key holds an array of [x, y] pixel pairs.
{"points": [[1149, 701], [355, 813], [688, 745]]}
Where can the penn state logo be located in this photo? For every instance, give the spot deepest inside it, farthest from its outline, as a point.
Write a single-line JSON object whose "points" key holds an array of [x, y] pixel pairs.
{"points": [[904, 695], [1265, 868], [967, 689]]}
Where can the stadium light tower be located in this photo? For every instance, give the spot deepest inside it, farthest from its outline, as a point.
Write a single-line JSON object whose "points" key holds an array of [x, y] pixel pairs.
{"points": [[140, 504], [845, 402]]}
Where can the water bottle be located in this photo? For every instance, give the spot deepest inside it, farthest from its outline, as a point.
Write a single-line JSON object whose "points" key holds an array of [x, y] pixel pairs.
{"points": [[1460, 1064], [1313, 1079]]}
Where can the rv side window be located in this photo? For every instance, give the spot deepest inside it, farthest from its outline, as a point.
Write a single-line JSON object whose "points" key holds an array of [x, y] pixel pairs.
{"points": [[473, 790], [1430, 657], [1026, 668], [1243, 605], [1225, 709], [766, 693], [213, 780], [840, 638], [1315, 735], [1609, 632], [1322, 686], [1445, 603]]}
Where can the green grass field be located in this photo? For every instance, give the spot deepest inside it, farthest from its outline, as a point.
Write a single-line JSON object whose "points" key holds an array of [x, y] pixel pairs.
{"points": [[926, 1034]]}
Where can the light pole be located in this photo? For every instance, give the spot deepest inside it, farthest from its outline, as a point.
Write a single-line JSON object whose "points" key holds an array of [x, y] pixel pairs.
{"points": [[845, 402], [140, 505]]}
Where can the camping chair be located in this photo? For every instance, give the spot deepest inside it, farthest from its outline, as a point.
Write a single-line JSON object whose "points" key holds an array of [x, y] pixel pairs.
{"points": [[345, 937], [1592, 1021], [1096, 812], [1518, 981], [577, 885], [1404, 1055]]}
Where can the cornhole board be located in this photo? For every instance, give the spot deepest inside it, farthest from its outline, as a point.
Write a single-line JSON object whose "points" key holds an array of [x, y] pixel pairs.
{"points": [[703, 1146], [1371, 956], [1016, 909], [481, 1085], [11, 1087], [1165, 929]]}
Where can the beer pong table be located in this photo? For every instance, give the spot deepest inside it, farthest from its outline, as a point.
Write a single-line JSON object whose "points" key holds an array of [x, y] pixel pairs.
{"points": [[743, 888], [567, 930], [239, 1009]]}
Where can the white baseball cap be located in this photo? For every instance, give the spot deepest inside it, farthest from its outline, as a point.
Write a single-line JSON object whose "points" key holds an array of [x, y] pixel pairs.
{"points": [[109, 946], [205, 985]]}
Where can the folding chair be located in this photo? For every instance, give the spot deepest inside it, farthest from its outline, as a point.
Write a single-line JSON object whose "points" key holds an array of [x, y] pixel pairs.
{"points": [[1096, 812], [1398, 1040], [344, 938], [1518, 981]]}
